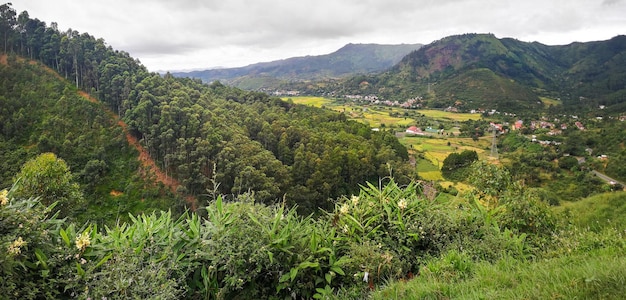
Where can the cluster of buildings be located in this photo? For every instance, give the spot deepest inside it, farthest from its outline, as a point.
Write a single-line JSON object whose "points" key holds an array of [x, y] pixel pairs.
{"points": [[285, 93], [373, 99]]}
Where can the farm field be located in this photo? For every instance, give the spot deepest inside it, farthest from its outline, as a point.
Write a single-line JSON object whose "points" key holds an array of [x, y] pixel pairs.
{"points": [[429, 151]]}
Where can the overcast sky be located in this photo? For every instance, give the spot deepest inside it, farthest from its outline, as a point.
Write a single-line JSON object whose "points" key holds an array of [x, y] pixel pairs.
{"points": [[198, 34]]}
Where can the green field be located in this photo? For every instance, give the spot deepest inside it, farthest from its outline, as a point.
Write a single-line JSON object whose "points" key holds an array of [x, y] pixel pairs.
{"points": [[435, 149], [375, 116], [549, 101], [449, 116]]}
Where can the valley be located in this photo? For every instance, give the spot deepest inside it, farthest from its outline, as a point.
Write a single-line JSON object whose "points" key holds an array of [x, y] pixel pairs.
{"points": [[462, 168]]}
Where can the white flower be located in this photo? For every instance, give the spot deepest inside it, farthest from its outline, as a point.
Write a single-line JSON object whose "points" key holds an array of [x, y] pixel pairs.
{"points": [[83, 241], [366, 277], [355, 200], [16, 247], [402, 204], [344, 209]]}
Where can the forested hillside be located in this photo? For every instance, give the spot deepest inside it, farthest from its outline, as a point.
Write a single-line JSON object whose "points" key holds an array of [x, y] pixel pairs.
{"points": [[215, 138], [40, 112], [473, 71]]}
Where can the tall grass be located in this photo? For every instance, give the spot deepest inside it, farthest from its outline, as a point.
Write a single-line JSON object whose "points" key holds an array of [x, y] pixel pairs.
{"points": [[600, 274]]}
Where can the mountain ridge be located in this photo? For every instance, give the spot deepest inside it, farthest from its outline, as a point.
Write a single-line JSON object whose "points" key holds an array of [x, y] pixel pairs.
{"points": [[349, 59], [441, 73]]}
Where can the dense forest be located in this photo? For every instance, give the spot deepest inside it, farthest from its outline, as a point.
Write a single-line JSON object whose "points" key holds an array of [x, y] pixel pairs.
{"points": [[215, 138]]}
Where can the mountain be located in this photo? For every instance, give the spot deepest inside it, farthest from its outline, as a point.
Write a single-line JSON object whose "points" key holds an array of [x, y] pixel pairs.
{"points": [[349, 60], [481, 71]]}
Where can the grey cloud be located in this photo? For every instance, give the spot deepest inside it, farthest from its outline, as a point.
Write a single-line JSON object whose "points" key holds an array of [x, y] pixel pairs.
{"points": [[184, 30]]}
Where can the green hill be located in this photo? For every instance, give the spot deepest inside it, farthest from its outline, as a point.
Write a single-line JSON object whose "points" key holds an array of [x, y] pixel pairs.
{"points": [[597, 212], [42, 112], [212, 139], [474, 71]]}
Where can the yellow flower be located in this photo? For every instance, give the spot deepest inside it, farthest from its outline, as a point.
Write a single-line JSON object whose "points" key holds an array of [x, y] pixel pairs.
{"points": [[402, 204], [15, 247], [344, 209], [83, 241], [3, 197]]}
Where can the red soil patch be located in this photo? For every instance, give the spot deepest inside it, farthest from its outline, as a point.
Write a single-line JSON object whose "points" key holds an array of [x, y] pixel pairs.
{"points": [[147, 163], [91, 99], [115, 193], [3, 59]]}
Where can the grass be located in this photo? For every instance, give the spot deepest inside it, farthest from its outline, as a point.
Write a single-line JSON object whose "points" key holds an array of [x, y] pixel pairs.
{"points": [[597, 211], [594, 269], [549, 101], [600, 274]]}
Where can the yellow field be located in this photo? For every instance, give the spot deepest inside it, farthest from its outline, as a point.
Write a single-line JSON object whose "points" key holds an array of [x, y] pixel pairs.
{"points": [[439, 114], [311, 101]]}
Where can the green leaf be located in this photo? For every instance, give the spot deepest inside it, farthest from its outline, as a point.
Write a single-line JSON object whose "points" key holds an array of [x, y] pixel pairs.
{"points": [[65, 238], [285, 277], [218, 204], [308, 264], [79, 270], [328, 277], [103, 260], [293, 273], [41, 257], [338, 270]]}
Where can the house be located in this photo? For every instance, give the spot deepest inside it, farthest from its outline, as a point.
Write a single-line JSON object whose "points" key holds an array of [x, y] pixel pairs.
{"points": [[518, 124], [414, 130], [579, 125], [496, 126]]}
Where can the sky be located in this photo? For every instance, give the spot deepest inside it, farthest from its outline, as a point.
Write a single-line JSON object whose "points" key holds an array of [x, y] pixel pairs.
{"points": [[182, 35]]}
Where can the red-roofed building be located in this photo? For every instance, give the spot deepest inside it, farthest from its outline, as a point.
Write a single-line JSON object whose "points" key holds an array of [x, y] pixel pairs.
{"points": [[414, 130]]}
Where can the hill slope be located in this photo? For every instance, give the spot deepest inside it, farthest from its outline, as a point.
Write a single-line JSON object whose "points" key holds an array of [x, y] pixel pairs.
{"points": [[350, 59], [481, 71], [41, 112], [213, 139]]}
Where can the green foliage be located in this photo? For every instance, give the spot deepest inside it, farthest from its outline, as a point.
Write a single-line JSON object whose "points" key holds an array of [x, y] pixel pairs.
{"points": [[39, 112], [597, 212], [597, 274], [455, 163], [247, 250], [27, 247], [49, 178]]}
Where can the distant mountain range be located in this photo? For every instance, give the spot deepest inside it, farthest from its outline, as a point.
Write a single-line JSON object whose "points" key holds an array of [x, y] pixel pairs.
{"points": [[481, 71], [349, 60]]}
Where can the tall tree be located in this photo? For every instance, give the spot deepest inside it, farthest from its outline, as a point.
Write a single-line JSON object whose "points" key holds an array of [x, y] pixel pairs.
{"points": [[8, 22]]}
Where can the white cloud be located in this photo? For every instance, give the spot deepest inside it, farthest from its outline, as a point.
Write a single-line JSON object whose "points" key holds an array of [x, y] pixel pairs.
{"points": [[172, 35]]}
